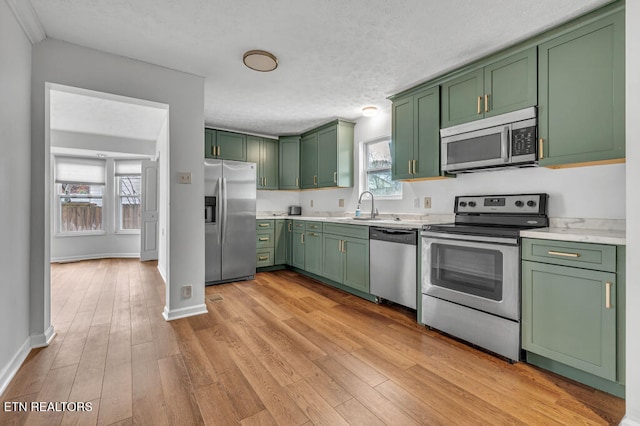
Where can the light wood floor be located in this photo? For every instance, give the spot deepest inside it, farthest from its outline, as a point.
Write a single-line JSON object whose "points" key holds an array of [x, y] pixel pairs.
{"points": [[282, 349]]}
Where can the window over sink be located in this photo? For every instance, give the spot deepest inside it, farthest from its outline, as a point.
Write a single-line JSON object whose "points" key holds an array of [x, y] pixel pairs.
{"points": [[376, 166]]}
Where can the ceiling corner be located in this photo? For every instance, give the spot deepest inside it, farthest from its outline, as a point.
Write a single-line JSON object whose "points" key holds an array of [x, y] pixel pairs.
{"points": [[28, 19]]}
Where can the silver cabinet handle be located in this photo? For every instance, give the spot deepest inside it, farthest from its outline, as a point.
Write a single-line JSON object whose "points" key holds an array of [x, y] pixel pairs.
{"points": [[607, 295], [561, 253]]}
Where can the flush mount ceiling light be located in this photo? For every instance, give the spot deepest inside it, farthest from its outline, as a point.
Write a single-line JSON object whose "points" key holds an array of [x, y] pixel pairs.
{"points": [[259, 60], [369, 111]]}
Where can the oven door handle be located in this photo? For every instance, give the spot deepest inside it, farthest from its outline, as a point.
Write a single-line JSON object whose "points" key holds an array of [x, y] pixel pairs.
{"points": [[505, 144], [434, 236]]}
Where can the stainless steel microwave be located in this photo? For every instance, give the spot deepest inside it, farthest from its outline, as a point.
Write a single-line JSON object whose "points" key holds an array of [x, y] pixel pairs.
{"points": [[507, 140]]}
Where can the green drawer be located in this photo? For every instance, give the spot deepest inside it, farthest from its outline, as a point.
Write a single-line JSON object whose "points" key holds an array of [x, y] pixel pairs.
{"points": [[264, 257], [580, 255], [264, 224], [264, 239], [299, 224], [314, 226], [355, 231]]}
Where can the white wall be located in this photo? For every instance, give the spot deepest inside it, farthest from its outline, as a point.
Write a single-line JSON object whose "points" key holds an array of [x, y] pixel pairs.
{"points": [[633, 207], [162, 146], [588, 192], [71, 65], [15, 168], [102, 143], [276, 201]]}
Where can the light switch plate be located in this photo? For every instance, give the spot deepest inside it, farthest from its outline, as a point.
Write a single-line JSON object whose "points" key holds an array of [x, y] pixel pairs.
{"points": [[341, 202], [184, 177], [427, 202]]}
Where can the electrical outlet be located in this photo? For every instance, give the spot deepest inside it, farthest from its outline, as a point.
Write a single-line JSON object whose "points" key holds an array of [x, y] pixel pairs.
{"points": [[416, 203], [427, 202], [341, 202], [184, 177], [186, 291], [311, 203]]}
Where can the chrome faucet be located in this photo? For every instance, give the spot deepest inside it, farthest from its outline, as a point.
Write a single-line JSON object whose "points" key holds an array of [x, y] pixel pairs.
{"points": [[374, 211]]}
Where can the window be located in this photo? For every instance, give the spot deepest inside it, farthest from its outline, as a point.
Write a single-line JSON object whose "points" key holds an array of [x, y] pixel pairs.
{"points": [[128, 190], [377, 167], [79, 189]]}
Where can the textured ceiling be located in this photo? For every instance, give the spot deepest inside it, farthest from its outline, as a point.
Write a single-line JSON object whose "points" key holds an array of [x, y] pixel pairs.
{"points": [[77, 113], [335, 57]]}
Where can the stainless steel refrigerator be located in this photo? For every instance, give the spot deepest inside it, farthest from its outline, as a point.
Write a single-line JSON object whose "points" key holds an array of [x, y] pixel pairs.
{"points": [[230, 221]]}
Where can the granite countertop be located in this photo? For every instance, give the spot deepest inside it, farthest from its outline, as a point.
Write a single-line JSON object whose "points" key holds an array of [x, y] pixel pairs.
{"points": [[394, 221], [599, 231]]}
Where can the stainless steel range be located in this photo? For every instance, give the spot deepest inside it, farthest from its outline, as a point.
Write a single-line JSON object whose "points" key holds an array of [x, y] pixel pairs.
{"points": [[471, 269]]}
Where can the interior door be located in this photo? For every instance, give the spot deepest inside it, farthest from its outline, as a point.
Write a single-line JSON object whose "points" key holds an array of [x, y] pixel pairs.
{"points": [[149, 213]]}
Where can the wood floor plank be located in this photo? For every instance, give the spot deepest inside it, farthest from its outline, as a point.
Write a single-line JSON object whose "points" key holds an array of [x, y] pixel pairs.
{"points": [[55, 388], [263, 418], [116, 400], [357, 414], [314, 406], [179, 397], [148, 402], [164, 338], [82, 418], [90, 375], [244, 399], [197, 363], [215, 405]]}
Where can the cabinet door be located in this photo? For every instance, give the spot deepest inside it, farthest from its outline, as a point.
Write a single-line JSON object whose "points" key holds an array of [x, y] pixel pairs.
{"points": [[328, 157], [280, 242], [297, 249], [269, 163], [253, 156], [581, 94], [511, 84], [288, 241], [289, 176], [462, 99], [426, 148], [209, 143], [332, 257], [402, 135], [356, 264], [565, 316], [232, 146], [313, 252], [309, 161]]}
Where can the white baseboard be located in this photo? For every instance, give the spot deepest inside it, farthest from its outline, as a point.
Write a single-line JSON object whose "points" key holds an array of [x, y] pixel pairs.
{"points": [[190, 311], [42, 340], [163, 274], [64, 259], [12, 368], [626, 421]]}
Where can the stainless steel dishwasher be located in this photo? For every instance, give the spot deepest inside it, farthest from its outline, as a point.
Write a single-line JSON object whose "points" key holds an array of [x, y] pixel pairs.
{"points": [[393, 264]]}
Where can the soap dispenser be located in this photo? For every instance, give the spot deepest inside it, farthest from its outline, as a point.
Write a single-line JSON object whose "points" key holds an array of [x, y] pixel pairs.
{"points": [[358, 211]]}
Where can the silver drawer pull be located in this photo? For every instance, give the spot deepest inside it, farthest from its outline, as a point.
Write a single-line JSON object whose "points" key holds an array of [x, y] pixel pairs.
{"points": [[560, 253], [263, 225], [263, 258], [263, 239], [607, 302]]}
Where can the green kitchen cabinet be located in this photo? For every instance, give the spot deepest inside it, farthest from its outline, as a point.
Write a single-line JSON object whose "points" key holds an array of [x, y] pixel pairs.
{"points": [[265, 243], [506, 85], [264, 152], [297, 248], [289, 164], [573, 309], [415, 141], [225, 145], [281, 241], [313, 252], [346, 258], [326, 156], [309, 161], [581, 110]]}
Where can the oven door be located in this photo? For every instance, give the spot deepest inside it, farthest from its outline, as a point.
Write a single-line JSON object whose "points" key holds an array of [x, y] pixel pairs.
{"points": [[477, 149], [480, 275]]}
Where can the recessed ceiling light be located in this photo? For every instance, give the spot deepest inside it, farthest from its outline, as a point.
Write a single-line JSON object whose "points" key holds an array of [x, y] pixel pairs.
{"points": [[369, 111], [259, 60]]}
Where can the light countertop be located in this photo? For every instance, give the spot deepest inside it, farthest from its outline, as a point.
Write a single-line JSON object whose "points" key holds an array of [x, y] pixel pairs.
{"points": [[405, 221], [599, 231]]}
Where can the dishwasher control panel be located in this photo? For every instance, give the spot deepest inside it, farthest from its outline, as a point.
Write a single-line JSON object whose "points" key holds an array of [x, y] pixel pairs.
{"points": [[394, 235]]}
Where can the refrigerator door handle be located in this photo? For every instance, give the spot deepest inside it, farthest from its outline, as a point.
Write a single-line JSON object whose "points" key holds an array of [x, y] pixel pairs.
{"points": [[224, 210], [219, 212]]}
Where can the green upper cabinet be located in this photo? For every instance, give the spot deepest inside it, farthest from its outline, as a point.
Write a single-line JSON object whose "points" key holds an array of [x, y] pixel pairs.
{"points": [[416, 135], [264, 152], [309, 161], [225, 145], [581, 114], [289, 167], [326, 156], [507, 85]]}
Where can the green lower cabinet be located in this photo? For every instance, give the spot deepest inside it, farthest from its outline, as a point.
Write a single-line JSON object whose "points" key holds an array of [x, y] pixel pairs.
{"points": [[264, 257], [281, 246], [566, 316], [313, 252], [297, 248], [346, 261]]}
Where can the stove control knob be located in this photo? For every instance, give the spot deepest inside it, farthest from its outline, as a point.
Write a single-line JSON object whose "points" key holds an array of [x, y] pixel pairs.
{"points": [[519, 203], [531, 203], [472, 203], [463, 204]]}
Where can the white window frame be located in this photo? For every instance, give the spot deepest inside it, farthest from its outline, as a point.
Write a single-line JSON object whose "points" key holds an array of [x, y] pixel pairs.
{"points": [[118, 206], [364, 171]]}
